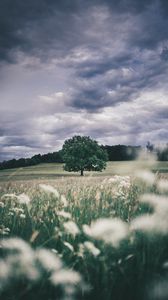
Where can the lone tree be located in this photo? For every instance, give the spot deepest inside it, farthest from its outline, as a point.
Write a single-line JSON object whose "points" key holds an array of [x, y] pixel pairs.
{"points": [[81, 153]]}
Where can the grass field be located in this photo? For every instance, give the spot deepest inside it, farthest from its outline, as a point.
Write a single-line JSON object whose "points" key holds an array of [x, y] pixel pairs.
{"points": [[54, 170], [101, 236]]}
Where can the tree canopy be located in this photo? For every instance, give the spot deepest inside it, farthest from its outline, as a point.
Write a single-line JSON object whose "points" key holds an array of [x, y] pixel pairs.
{"points": [[81, 153]]}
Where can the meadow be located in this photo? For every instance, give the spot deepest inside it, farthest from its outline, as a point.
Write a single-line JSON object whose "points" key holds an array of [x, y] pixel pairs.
{"points": [[101, 236], [55, 170]]}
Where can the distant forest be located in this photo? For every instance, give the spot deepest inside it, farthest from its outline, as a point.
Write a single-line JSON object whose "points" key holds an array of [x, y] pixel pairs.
{"points": [[115, 153]]}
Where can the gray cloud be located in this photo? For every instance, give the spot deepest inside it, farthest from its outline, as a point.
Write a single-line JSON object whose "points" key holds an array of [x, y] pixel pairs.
{"points": [[37, 26], [32, 25], [69, 67]]}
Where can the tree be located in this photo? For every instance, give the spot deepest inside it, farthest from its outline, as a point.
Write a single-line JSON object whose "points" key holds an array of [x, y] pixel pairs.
{"points": [[81, 153]]}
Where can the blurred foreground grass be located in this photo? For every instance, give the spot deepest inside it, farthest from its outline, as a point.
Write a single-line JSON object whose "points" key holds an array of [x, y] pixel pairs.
{"points": [[96, 237]]}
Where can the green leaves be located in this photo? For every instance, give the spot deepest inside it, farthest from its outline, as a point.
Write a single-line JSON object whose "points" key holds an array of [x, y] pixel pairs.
{"points": [[82, 153]]}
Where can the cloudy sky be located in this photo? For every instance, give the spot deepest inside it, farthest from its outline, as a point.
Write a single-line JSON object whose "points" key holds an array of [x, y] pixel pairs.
{"points": [[89, 67]]}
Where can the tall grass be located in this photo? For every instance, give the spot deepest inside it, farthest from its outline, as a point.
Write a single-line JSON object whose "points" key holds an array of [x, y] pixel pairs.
{"points": [[90, 238]]}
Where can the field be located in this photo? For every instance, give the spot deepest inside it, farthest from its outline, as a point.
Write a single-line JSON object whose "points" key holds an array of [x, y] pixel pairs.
{"points": [[101, 236], [54, 170]]}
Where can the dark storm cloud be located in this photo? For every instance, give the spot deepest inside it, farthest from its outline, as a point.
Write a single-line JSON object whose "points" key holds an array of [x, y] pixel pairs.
{"points": [[133, 6], [113, 85], [162, 113], [94, 99], [103, 65], [22, 20], [152, 29], [91, 99], [109, 62], [12, 141], [164, 54], [34, 26]]}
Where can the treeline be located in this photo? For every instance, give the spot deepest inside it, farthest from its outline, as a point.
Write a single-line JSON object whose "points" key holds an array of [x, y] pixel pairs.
{"points": [[162, 154], [115, 153], [122, 152], [34, 160]]}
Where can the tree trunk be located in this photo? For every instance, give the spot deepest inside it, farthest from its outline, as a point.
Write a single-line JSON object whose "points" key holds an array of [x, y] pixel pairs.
{"points": [[82, 172]]}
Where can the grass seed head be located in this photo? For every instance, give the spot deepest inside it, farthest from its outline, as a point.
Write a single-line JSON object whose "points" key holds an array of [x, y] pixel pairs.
{"points": [[71, 228], [111, 231], [49, 189]]}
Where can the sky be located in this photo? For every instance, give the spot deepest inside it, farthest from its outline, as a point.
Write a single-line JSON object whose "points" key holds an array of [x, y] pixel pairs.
{"points": [[82, 67]]}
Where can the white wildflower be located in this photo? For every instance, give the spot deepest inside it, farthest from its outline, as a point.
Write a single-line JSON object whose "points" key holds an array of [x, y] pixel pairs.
{"points": [[111, 231], [64, 201], [98, 195], [23, 199], [4, 230], [124, 184], [146, 176], [128, 178], [48, 260], [69, 246], [113, 179], [117, 179], [21, 262], [19, 257], [71, 228], [17, 210], [49, 189], [22, 216], [86, 229], [120, 186], [157, 221], [160, 203], [65, 277], [162, 185], [10, 214], [91, 247], [64, 214], [13, 244], [145, 223]]}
